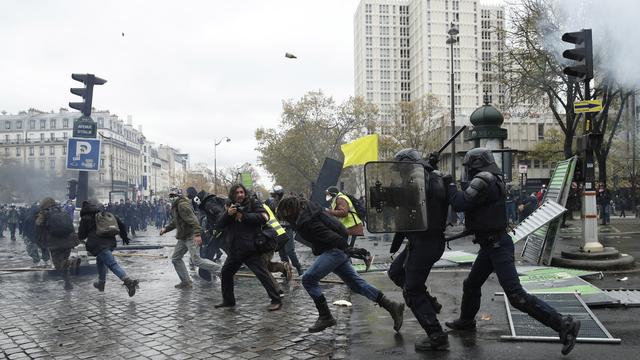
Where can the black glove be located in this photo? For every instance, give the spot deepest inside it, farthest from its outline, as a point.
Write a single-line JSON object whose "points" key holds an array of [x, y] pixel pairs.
{"points": [[434, 157], [125, 241], [447, 179]]}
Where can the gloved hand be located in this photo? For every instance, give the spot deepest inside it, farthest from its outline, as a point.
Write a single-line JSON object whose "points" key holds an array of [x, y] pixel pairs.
{"points": [[447, 179], [125, 241], [434, 157]]}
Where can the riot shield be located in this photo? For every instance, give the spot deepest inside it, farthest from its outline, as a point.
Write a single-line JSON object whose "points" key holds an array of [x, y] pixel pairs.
{"points": [[396, 197]]}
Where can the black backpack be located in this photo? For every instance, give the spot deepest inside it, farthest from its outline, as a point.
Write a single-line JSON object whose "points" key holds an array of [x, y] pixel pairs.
{"points": [[59, 223], [358, 205]]}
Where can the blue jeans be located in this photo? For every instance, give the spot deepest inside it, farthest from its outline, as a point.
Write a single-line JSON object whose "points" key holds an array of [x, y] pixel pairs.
{"points": [[336, 261], [106, 260]]}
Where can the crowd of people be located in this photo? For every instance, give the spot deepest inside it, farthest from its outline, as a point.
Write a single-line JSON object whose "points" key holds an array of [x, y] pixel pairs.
{"points": [[251, 233]]}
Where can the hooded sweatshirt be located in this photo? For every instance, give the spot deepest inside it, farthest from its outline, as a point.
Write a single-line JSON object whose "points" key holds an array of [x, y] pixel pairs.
{"points": [[87, 230], [323, 231]]}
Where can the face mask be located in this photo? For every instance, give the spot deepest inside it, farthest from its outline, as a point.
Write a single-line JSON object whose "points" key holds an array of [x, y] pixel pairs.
{"points": [[328, 197]]}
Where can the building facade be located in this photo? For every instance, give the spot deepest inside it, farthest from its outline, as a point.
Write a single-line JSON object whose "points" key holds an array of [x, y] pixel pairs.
{"points": [[401, 53], [130, 166]]}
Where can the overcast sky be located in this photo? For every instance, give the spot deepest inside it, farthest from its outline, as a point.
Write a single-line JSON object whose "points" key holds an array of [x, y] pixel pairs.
{"points": [[187, 71]]}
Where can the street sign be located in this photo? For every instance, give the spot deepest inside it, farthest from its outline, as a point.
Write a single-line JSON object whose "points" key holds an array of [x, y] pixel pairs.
{"points": [[85, 127], [522, 169], [587, 106], [83, 154]]}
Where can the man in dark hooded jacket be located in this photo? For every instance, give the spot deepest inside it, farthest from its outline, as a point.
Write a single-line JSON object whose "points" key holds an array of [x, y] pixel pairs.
{"points": [[328, 239], [59, 246], [102, 246], [241, 225]]}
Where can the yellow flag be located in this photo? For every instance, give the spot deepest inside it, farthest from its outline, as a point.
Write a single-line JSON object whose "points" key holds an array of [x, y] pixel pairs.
{"points": [[360, 150]]}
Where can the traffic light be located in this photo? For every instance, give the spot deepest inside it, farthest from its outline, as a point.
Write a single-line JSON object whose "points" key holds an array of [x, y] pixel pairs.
{"points": [[89, 80], [582, 53], [73, 188]]}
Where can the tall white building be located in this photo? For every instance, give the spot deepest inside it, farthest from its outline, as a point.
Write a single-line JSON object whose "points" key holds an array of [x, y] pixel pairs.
{"points": [[401, 53]]}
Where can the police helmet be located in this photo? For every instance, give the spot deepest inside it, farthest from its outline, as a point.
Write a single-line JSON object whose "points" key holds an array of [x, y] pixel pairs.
{"points": [[480, 159], [277, 189], [408, 154]]}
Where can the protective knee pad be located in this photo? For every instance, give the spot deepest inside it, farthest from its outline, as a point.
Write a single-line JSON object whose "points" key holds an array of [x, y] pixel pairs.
{"points": [[397, 277], [519, 299]]}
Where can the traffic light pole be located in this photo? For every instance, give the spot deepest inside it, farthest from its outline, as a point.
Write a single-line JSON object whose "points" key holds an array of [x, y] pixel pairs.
{"points": [[589, 203]]}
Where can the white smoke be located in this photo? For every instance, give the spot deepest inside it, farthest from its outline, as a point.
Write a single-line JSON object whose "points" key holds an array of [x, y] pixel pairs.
{"points": [[616, 36]]}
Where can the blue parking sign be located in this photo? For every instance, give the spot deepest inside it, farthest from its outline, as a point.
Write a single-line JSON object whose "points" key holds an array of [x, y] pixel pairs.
{"points": [[83, 154]]}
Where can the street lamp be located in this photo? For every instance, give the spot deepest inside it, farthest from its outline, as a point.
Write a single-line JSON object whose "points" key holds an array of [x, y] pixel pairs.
{"points": [[452, 39], [215, 164]]}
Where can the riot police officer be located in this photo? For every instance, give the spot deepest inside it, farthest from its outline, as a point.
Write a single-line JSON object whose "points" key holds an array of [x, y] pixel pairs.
{"points": [[483, 203], [411, 268]]}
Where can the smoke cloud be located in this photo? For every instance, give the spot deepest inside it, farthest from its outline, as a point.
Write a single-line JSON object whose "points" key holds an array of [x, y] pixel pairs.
{"points": [[616, 35]]}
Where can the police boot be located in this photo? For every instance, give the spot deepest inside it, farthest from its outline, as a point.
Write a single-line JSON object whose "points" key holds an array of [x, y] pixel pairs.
{"points": [[325, 319], [395, 309], [99, 285], [131, 285], [437, 341], [461, 324], [569, 329]]}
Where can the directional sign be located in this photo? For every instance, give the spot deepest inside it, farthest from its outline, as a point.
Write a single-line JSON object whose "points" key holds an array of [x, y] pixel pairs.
{"points": [[85, 127], [83, 154], [587, 106]]}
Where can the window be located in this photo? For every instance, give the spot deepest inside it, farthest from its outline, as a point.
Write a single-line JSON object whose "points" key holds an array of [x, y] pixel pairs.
{"points": [[19, 124], [52, 150], [43, 124], [52, 136], [65, 123], [64, 135], [31, 149], [17, 150], [369, 85], [368, 30], [369, 52], [6, 138], [64, 150], [52, 123], [367, 19], [41, 136], [369, 63], [6, 151], [369, 41], [7, 124], [540, 131], [32, 124], [18, 138], [52, 164], [367, 8], [41, 150], [369, 74], [100, 122]]}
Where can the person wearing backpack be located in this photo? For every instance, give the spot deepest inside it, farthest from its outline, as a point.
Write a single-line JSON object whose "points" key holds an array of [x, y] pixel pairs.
{"points": [[100, 229], [328, 239], [54, 230], [344, 208], [184, 220]]}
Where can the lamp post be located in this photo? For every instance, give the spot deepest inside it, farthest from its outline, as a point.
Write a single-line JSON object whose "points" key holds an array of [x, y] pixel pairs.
{"points": [[215, 163], [452, 39]]}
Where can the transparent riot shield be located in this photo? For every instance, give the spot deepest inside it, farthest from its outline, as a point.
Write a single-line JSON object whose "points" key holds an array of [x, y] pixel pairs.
{"points": [[396, 197]]}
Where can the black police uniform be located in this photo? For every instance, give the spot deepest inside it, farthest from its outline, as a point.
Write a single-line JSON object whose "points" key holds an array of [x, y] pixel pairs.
{"points": [[412, 267], [483, 203]]}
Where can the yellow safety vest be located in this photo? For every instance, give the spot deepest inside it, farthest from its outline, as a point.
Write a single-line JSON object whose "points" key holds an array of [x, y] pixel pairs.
{"points": [[273, 222], [347, 221]]}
